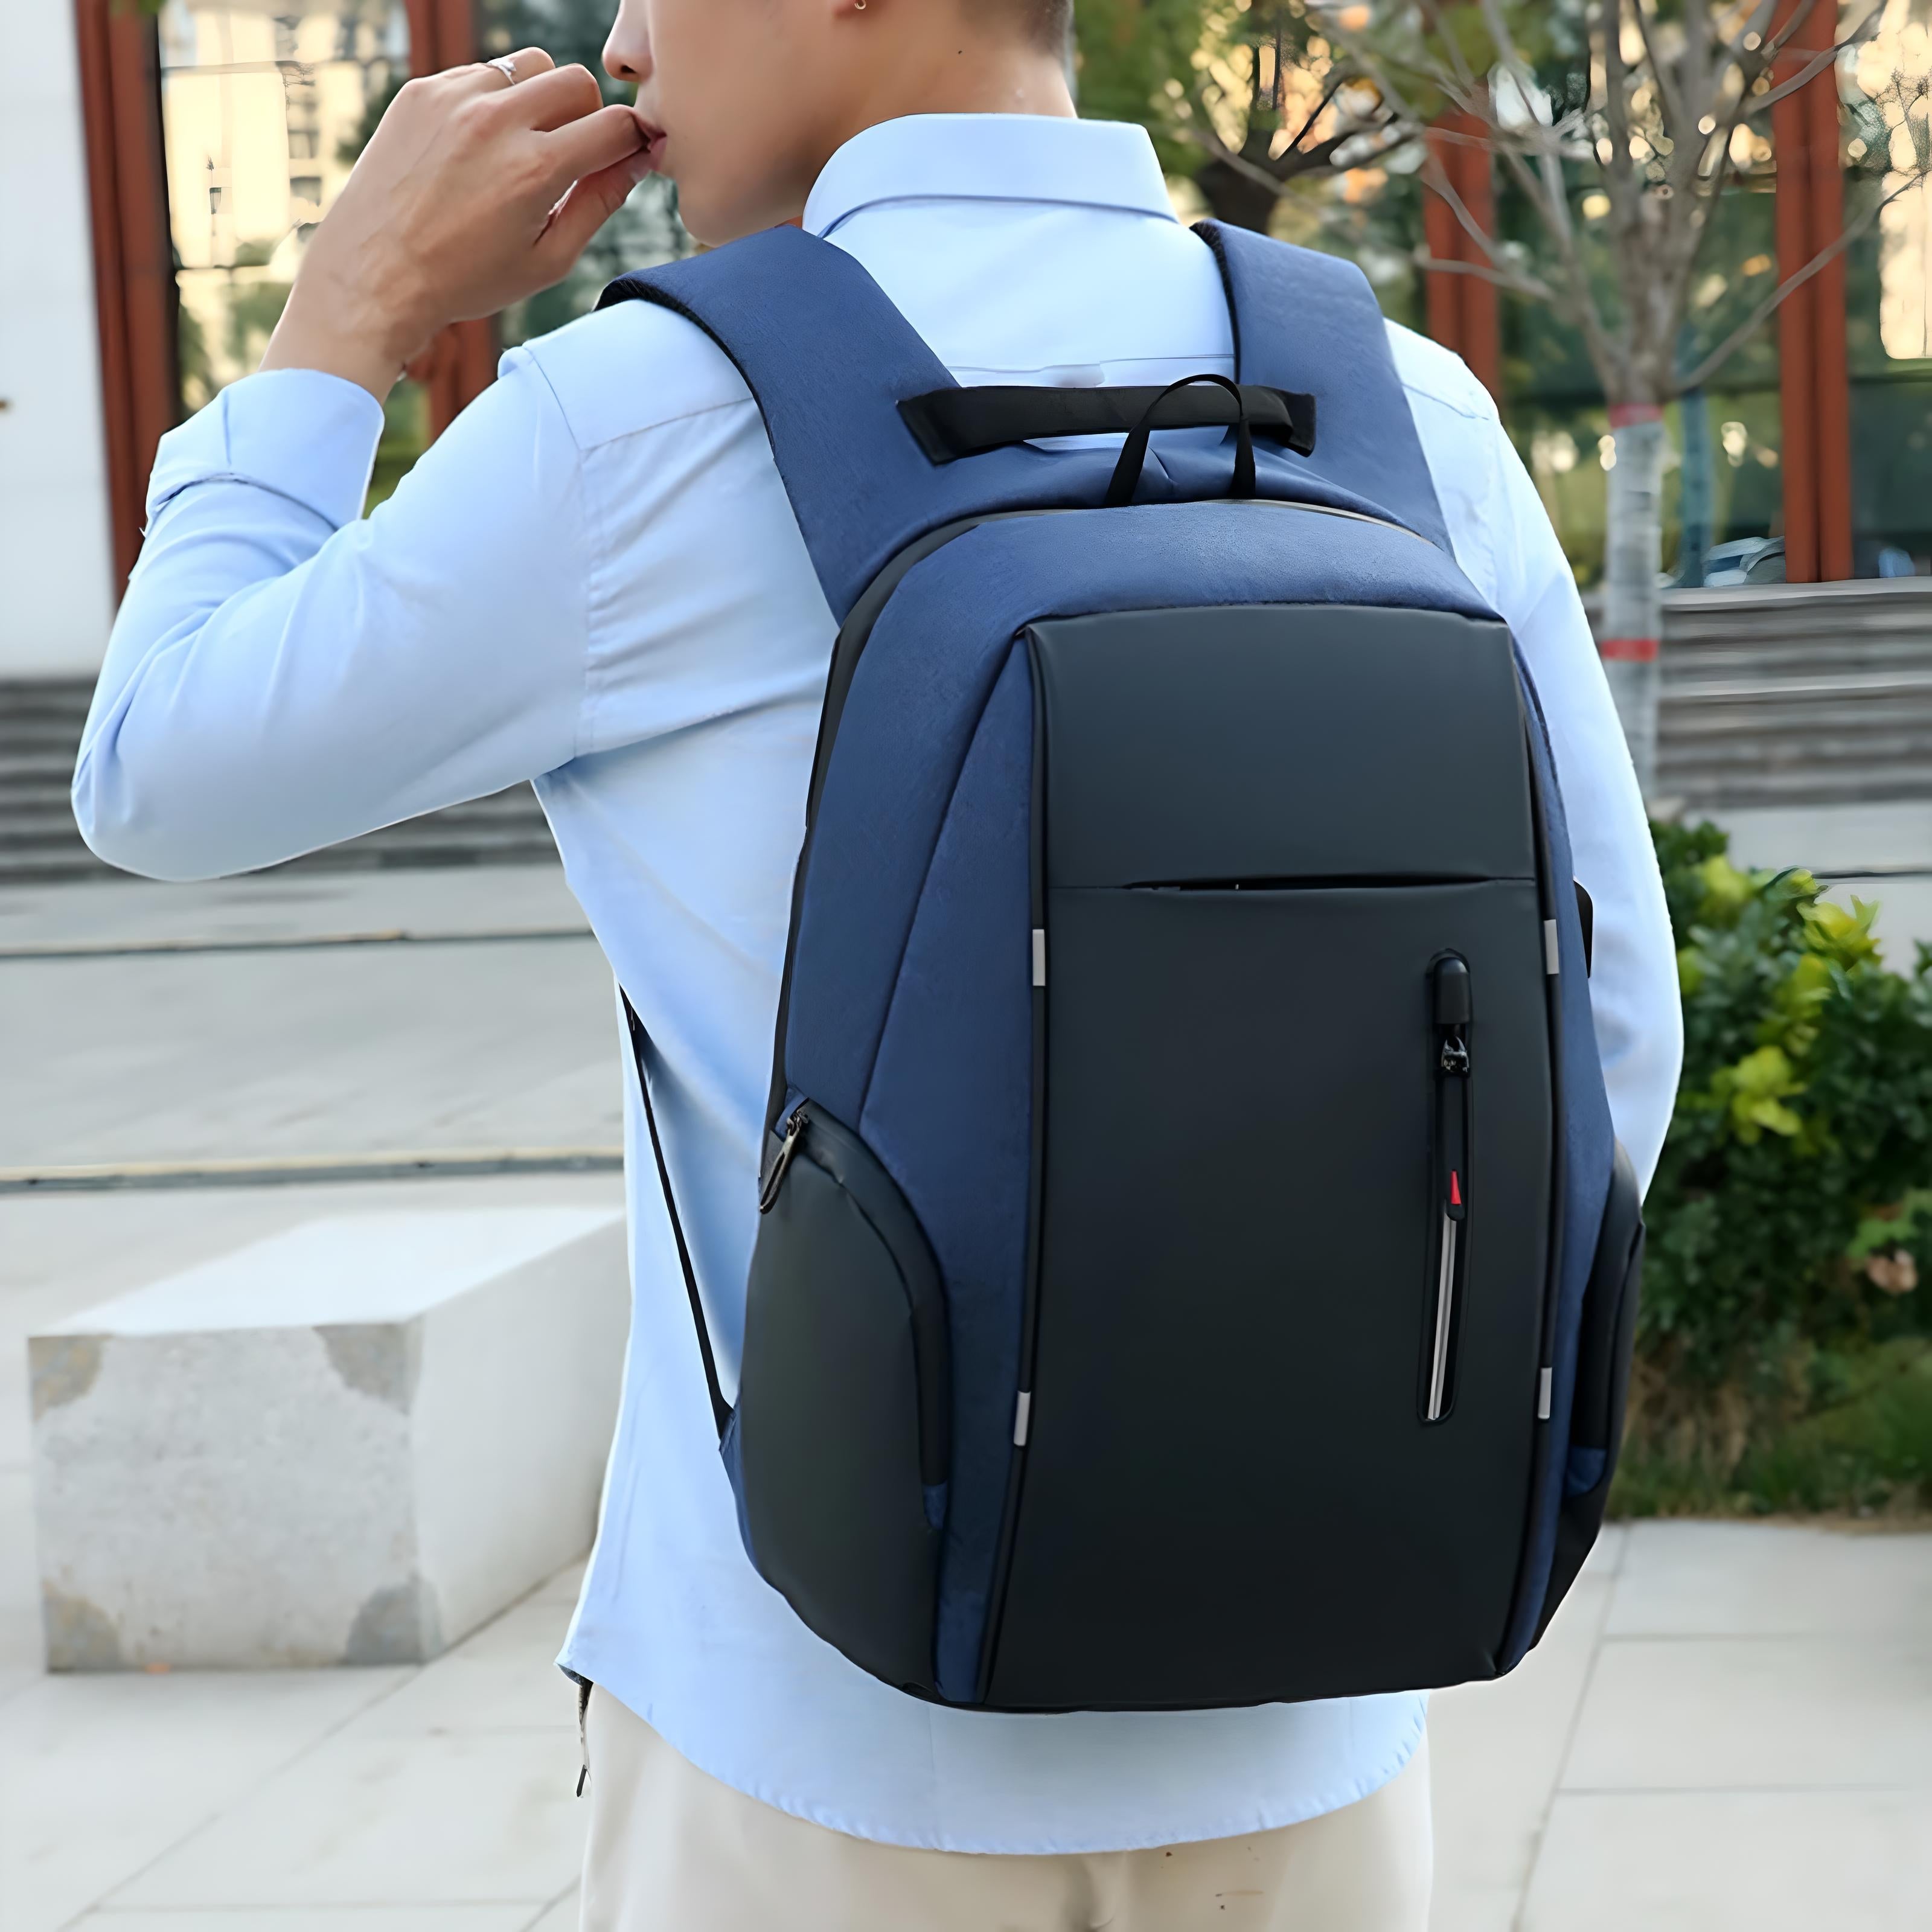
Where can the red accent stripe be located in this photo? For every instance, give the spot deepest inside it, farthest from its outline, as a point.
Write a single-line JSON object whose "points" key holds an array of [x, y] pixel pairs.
{"points": [[1628, 650], [1455, 1189]]}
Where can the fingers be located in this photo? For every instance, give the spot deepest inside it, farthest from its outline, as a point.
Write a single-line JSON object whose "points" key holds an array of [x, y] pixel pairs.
{"points": [[554, 99], [595, 141], [590, 203], [529, 62]]}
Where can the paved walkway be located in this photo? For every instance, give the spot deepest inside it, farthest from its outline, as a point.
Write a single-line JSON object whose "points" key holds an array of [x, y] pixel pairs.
{"points": [[1728, 1727]]}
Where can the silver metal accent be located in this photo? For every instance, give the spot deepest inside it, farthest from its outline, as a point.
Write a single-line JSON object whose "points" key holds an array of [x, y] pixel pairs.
{"points": [[1553, 959], [1542, 1389], [1022, 1414], [1039, 955], [505, 66], [1445, 1295]]}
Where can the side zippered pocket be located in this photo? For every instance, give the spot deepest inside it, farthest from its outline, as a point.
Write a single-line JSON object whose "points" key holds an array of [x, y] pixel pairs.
{"points": [[857, 1171], [1450, 1013], [840, 1445]]}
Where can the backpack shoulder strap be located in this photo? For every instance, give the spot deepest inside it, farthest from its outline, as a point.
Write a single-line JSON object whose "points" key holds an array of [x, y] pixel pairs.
{"points": [[1307, 321], [828, 358]]}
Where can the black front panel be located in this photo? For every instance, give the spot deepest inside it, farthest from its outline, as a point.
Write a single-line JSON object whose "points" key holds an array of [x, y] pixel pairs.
{"points": [[1233, 1491], [1283, 742]]}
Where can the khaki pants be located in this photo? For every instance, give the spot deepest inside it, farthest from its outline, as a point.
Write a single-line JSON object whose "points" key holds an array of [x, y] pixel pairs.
{"points": [[672, 1850]]}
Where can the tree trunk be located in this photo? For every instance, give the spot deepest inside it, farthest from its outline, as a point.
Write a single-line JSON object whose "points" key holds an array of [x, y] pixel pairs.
{"points": [[1633, 619], [1236, 198]]}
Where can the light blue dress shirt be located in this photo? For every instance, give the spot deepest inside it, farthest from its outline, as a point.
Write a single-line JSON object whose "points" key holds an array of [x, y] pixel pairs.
{"points": [[594, 580]]}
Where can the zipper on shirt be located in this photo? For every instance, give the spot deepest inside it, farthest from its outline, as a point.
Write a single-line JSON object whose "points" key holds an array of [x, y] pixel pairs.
{"points": [[1450, 1042]]}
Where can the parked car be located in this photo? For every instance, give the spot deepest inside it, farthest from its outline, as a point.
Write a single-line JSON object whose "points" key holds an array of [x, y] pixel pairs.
{"points": [[1749, 560]]}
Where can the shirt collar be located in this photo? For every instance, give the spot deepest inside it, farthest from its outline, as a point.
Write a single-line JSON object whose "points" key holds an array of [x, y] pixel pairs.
{"points": [[1038, 157]]}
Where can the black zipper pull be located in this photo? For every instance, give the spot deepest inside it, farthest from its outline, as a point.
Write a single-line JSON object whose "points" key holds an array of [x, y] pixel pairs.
{"points": [[1451, 1011], [794, 1127], [1451, 983]]}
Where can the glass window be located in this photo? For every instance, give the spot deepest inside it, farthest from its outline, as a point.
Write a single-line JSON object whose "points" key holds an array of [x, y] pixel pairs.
{"points": [[265, 105], [1888, 290]]}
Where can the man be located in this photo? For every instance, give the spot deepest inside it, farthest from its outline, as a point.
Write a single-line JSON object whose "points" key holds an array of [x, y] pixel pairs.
{"points": [[594, 580]]}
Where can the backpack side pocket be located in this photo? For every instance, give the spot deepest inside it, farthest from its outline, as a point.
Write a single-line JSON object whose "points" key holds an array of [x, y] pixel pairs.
{"points": [[1603, 1382], [839, 1445]]}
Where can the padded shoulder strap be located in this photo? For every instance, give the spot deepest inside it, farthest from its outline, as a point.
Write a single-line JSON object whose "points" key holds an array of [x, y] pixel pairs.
{"points": [[1307, 321], [828, 358]]}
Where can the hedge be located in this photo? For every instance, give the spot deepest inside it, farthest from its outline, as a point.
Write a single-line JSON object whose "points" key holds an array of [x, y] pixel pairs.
{"points": [[1783, 1356]]}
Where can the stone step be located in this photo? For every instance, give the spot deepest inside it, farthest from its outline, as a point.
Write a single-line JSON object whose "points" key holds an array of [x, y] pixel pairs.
{"points": [[34, 772], [44, 737], [438, 1385], [1873, 785], [41, 725]]}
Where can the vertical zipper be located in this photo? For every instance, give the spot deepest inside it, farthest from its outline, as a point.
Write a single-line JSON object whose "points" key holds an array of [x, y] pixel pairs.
{"points": [[1450, 1033]]}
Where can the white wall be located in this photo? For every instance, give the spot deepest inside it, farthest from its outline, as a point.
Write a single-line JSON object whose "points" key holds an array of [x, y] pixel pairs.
{"points": [[56, 567]]}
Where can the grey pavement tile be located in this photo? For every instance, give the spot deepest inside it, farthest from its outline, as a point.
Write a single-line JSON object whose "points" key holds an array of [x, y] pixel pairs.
{"points": [[284, 905], [1455, 1908], [1496, 1750], [1832, 838], [99, 1775], [451, 1818], [503, 1678], [565, 1587], [353, 1919], [1838, 843], [20, 1647], [1756, 1713], [1758, 1579], [563, 1915], [1606, 1554], [1731, 1861], [259, 1053]]}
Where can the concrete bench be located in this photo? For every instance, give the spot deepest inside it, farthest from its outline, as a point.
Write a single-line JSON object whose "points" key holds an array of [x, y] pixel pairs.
{"points": [[351, 1443]]}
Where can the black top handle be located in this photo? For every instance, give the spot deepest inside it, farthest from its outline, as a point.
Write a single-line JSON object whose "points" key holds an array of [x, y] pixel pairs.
{"points": [[949, 424], [1133, 451]]}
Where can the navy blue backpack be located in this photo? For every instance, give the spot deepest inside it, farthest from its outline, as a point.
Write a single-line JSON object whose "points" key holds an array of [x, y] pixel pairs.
{"points": [[1195, 1267]]}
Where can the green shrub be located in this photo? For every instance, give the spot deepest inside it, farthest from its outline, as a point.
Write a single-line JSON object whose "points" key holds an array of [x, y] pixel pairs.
{"points": [[1791, 1216]]}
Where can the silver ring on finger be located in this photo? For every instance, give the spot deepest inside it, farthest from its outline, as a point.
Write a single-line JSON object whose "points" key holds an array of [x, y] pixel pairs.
{"points": [[505, 64]]}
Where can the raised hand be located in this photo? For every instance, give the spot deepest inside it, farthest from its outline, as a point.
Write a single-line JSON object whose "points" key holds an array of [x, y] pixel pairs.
{"points": [[482, 185]]}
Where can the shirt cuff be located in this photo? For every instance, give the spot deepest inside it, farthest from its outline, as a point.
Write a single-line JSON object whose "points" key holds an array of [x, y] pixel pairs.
{"points": [[307, 436]]}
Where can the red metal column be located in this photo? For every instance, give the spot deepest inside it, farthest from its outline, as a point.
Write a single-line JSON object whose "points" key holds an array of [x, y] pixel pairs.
{"points": [[1482, 335], [1830, 367], [134, 260], [1443, 233], [463, 358], [1813, 378], [1462, 307]]}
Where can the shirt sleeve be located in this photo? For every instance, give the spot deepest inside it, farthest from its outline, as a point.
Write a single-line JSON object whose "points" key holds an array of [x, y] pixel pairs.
{"points": [[284, 673], [1633, 987]]}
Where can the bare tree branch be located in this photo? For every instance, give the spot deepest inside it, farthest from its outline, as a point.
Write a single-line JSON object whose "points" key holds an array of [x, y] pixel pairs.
{"points": [[1337, 81], [1746, 329], [1503, 278], [1825, 57]]}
